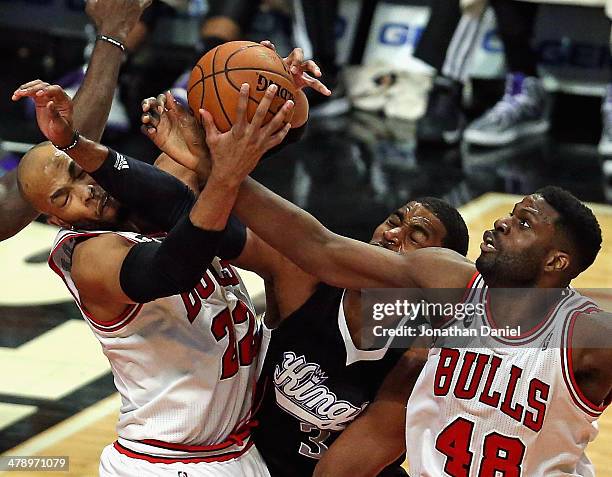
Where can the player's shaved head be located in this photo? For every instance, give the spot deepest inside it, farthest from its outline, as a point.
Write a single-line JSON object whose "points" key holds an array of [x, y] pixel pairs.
{"points": [[56, 186], [36, 173]]}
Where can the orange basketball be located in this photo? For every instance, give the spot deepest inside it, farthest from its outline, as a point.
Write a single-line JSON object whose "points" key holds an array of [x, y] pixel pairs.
{"points": [[215, 81]]}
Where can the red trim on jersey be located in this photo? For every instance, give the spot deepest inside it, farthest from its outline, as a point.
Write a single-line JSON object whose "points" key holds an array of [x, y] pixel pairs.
{"points": [[575, 392], [104, 326], [468, 287], [185, 460], [236, 438], [469, 290]]}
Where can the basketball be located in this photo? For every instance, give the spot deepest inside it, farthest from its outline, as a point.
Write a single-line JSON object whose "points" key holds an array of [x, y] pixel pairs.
{"points": [[215, 81]]}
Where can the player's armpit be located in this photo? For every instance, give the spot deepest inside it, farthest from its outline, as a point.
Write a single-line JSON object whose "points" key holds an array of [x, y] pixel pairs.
{"points": [[591, 356], [96, 267], [290, 284], [377, 438]]}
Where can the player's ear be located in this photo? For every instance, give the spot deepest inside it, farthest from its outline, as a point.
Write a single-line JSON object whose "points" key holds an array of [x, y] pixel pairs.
{"points": [[53, 220], [557, 261]]}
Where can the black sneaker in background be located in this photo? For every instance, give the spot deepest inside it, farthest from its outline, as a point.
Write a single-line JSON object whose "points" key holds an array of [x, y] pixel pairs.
{"points": [[443, 121]]}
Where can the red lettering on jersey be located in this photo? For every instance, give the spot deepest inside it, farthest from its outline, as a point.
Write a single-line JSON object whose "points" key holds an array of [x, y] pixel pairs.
{"points": [[240, 353], [454, 443], [444, 372], [474, 365], [481, 361], [248, 346], [193, 299], [227, 275], [222, 326], [501, 455], [485, 397], [537, 389], [506, 407]]}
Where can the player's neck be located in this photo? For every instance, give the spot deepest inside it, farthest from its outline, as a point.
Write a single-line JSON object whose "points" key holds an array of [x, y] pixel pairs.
{"points": [[524, 307]]}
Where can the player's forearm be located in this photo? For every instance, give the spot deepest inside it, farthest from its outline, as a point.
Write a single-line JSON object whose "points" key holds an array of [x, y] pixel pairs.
{"points": [[214, 205], [346, 456], [15, 212], [88, 154], [380, 429], [336, 260], [287, 228], [93, 100]]}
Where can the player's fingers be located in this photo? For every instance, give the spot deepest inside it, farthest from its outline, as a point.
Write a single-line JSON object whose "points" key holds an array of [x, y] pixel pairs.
{"points": [[297, 58], [150, 119], [56, 92], [311, 67], [170, 102], [315, 84], [148, 103], [161, 106], [209, 126], [31, 90], [268, 44], [240, 125], [29, 84], [148, 130], [282, 117], [263, 107], [52, 107], [277, 138]]}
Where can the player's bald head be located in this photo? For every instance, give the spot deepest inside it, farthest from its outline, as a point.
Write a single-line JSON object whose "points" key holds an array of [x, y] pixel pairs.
{"points": [[36, 172]]}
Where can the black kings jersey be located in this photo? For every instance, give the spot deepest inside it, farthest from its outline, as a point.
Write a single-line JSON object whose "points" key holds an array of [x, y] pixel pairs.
{"points": [[314, 382]]}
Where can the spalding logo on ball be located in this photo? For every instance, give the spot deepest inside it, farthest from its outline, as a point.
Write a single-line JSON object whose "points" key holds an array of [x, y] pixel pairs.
{"points": [[215, 81]]}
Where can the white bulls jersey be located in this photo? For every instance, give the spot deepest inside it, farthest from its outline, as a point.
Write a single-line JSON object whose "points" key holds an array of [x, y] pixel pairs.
{"points": [[185, 365], [502, 406]]}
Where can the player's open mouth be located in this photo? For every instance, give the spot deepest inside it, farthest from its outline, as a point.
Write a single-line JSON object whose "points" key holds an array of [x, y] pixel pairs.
{"points": [[488, 242]]}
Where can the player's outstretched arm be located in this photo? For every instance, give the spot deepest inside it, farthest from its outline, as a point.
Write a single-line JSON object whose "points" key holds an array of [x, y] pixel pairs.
{"points": [[114, 19], [338, 260], [92, 102], [376, 439]]}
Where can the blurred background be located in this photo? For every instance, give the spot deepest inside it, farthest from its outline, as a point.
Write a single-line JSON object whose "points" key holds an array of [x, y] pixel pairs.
{"points": [[470, 101]]}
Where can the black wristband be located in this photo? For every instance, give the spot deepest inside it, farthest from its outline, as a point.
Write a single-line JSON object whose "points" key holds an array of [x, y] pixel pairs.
{"points": [[112, 41], [73, 142]]}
